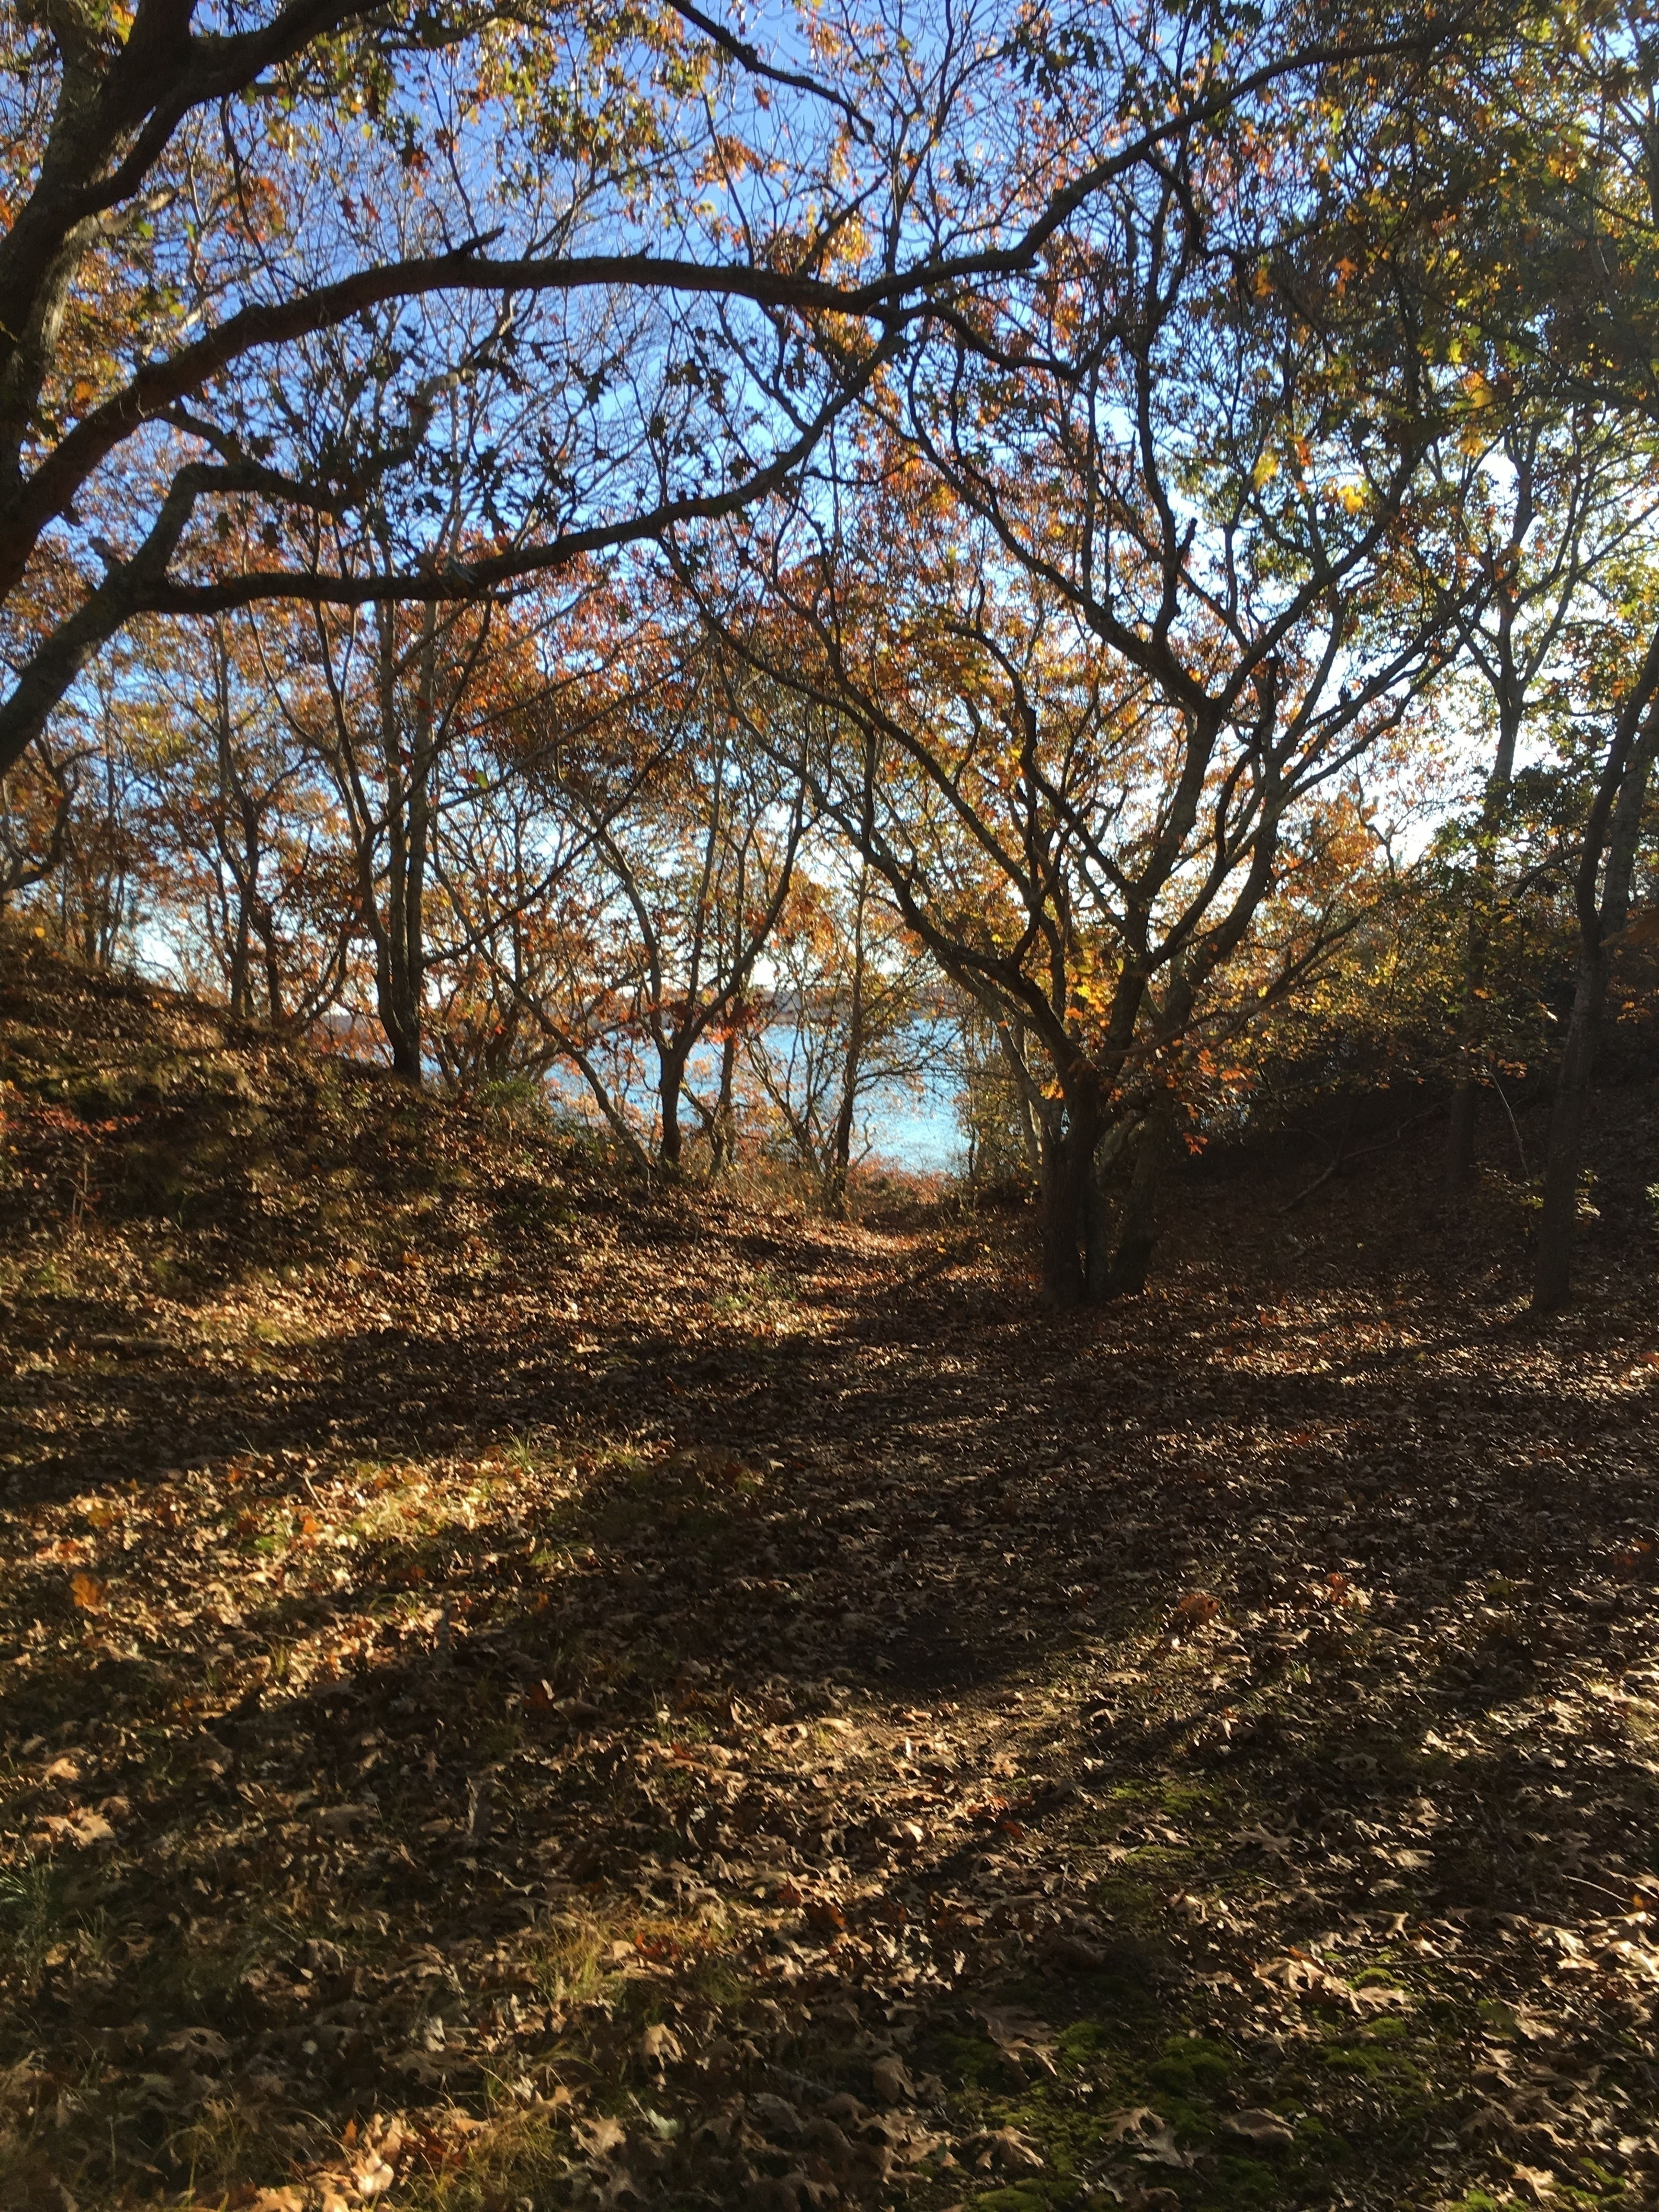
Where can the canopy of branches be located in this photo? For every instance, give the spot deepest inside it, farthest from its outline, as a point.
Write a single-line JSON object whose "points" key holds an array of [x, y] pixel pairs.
{"points": [[708, 569]]}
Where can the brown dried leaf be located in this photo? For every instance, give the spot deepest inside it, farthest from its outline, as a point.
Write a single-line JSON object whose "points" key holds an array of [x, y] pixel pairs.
{"points": [[1258, 2125], [659, 2046], [891, 2083], [600, 2137], [1192, 1612], [1006, 2149]]}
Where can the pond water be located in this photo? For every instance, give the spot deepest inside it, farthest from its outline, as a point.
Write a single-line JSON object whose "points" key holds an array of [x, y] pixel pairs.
{"points": [[912, 1126]]}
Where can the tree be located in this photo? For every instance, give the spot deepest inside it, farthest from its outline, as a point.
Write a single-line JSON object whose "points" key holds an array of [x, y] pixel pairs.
{"points": [[1599, 201], [1118, 584], [105, 875], [37, 803], [194, 211], [1544, 504], [1601, 884], [699, 257], [848, 1015], [531, 962], [1547, 132], [246, 839], [394, 690], [702, 865]]}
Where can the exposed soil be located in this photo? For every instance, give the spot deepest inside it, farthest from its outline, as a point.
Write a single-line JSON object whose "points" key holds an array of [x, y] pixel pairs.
{"points": [[518, 1692]]}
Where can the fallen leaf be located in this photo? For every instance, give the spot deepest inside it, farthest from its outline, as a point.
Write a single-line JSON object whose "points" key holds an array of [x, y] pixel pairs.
{"points": [[1194, 1611], [1259, 2126], [337, 1819], [775, 2117], [1145, 2133], [1020, 2035], [1006, 2149], [371, 2176], [600, 2136], [1074, 1947], [892, 2084], [659, 2046], [1123, 2126], [196, 2043]]}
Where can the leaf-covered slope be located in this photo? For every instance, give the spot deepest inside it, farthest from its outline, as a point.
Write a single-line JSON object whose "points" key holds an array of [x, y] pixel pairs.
{"points": [[517, 1691]]}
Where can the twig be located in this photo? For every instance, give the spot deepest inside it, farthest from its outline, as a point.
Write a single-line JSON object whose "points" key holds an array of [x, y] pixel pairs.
{"points": [[1514, 1124], [1365, 1152], [1336, 1157], [1618, 1896], [798, 2081]]}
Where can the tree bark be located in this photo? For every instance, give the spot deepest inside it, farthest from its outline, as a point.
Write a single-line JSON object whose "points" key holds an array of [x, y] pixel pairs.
{"points": [[671, 1077], [1466, 1089], [841, 1141], [1553, 1276], [1100, 1221], [1138, 1227], [401, 971], [723, 1124], [1070, 1134], [1616, 816], [1118, 1265], [265, 923]]}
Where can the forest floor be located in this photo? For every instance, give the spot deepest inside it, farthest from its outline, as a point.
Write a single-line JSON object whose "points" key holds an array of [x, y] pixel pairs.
{"points": [[517, 1694]]}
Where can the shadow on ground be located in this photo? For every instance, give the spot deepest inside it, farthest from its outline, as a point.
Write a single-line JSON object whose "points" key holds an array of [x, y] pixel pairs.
{"points": [[515, 1691]]}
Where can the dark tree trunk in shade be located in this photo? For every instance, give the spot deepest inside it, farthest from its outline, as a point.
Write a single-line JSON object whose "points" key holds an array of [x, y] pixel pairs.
{"points": [[1611, 837]]}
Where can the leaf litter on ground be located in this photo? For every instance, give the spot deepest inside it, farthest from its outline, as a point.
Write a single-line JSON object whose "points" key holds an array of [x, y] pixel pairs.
{"points": [[485, 1721]]}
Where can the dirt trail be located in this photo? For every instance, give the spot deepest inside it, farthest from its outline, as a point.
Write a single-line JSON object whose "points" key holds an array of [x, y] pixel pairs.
{"points": [[516, 1693]]}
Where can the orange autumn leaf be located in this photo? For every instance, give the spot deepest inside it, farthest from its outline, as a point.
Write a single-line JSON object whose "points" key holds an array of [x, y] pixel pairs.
{"points": [[1193, 1611]]}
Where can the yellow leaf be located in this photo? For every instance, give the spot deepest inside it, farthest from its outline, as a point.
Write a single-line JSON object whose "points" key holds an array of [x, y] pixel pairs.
{"points": [[1265, 470], [87, 1592]]}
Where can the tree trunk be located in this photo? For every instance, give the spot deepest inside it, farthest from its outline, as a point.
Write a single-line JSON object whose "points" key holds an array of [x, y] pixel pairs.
{"points": [[400, 967], [669, 1079], [1068, 1153], [1553, 1276], [1624, 788], [723, 1128], [265, 924], [841, 1141], [1483, 890], [232, 813], [1137, 1226], [240, 955], [839, 1167], [1011, 1040], [1508, 681], [1100, 1220], [1459, 1133], [1118, 1265]]}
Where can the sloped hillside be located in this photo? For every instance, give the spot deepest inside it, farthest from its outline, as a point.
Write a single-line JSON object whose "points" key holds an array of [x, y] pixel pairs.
{"points": [[519, 1691]]}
